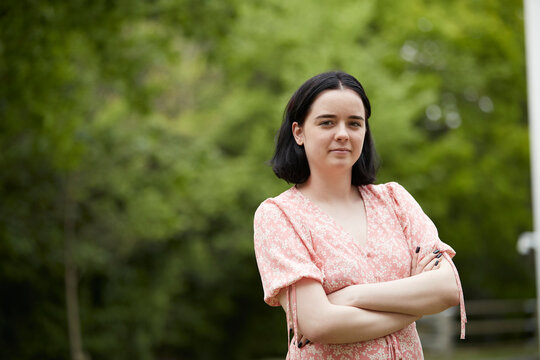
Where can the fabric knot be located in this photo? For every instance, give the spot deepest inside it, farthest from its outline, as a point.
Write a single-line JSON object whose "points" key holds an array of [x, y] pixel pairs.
{"points": [[292, 320]]}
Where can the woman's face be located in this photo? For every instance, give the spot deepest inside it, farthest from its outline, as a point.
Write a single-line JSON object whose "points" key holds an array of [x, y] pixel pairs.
{"points": [[333, 131]]}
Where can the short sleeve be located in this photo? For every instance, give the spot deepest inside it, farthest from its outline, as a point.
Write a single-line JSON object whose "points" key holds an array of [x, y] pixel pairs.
{"points": [[420, 231], [418, 228], [283, 256]]}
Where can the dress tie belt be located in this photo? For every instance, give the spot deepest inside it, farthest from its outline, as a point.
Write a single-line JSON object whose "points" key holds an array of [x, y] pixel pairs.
{"points": [[393, 347]]}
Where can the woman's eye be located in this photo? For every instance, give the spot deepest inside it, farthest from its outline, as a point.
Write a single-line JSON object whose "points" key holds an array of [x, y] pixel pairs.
{"points": [[326, 123], [356, 124]]}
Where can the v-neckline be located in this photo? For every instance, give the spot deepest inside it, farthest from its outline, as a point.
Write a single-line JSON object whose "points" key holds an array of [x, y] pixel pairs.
{"points": [[318, 209]]}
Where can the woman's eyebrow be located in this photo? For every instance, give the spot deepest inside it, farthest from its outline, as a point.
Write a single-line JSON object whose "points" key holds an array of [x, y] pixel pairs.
{"points": [[325, 116], [331, 116]]}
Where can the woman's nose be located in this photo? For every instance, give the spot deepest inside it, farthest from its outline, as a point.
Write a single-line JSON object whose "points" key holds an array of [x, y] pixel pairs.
{"points": [[341, 132]]}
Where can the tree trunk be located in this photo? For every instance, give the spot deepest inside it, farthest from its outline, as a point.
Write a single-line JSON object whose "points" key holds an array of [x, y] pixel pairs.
{"points": [[71, 280]]}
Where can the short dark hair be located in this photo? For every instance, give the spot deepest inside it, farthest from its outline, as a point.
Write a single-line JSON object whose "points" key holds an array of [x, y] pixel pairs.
{"points": [[289, 161]]}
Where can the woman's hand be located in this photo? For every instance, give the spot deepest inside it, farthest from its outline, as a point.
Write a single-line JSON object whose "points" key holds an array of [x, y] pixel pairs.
{"points": [[302, 340], [429, 262]]}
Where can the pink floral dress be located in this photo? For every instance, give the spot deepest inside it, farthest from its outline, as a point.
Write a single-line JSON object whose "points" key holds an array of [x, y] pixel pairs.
{"points": [[295, 239]]}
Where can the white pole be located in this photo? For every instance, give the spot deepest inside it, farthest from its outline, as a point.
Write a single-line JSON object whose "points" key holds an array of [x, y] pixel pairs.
{"points": [[532, 45]]}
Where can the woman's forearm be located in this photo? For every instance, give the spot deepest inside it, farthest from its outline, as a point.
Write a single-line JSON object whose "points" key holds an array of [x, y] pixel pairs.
{"points": [[323, 322], [347, 324], [426, 293]]}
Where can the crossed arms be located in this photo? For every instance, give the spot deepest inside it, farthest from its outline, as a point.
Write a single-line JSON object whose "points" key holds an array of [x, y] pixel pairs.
{"points": [[368, 311]]}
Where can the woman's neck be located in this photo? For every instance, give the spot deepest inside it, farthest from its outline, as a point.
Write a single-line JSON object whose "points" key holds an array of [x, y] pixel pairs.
{"points": [[336, 189]]}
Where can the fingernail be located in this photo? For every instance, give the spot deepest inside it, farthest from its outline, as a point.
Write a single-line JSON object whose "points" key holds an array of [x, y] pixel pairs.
{"points": [[436, 251], [417, 249], [438, 256], [307, 342], [436, 262], [300, 344]]}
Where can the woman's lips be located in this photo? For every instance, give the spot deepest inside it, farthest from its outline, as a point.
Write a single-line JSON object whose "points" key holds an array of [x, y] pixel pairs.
{"points": [[340, 150]]}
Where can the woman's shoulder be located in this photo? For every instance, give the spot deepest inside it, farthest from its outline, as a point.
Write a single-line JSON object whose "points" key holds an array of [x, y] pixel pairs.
{"points": [[287, 199], [387, 190], [394, 195], [285, 209]]}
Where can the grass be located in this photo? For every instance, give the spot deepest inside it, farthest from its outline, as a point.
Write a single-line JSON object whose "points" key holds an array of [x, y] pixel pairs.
{"points": [[489, 352]]}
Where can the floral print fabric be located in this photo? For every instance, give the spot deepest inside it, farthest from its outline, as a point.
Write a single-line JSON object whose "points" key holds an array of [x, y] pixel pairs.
{"points": [[295, 239]]}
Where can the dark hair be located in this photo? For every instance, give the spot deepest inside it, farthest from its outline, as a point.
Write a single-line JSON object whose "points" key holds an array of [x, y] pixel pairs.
{"points": [[289, 161]]}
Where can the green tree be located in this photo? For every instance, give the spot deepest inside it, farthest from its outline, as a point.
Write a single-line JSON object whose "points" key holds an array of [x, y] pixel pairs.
{"points": [[137, 135]]}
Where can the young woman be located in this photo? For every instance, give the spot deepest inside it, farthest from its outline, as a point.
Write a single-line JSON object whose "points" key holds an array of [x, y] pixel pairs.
{"points": [[353, 264]]}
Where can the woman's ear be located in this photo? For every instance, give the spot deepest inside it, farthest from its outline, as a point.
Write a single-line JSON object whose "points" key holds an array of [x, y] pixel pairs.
{"points": [[298, 133]]}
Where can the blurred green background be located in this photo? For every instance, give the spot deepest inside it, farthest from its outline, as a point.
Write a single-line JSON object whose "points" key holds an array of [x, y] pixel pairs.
{"points": [[134, 137]]}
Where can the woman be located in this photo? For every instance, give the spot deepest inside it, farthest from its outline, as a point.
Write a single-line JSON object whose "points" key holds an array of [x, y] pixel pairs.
{"points": [[353, 264]]}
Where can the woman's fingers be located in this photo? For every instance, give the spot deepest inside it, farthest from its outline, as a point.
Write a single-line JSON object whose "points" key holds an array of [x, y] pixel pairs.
{"points": [[414, 262], [434, 261], [302, 341], [430, 265], [426, 260], [429, 262]]}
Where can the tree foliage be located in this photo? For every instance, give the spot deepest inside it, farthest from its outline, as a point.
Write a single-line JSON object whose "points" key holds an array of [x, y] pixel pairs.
{"points": [[155, 119]]}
